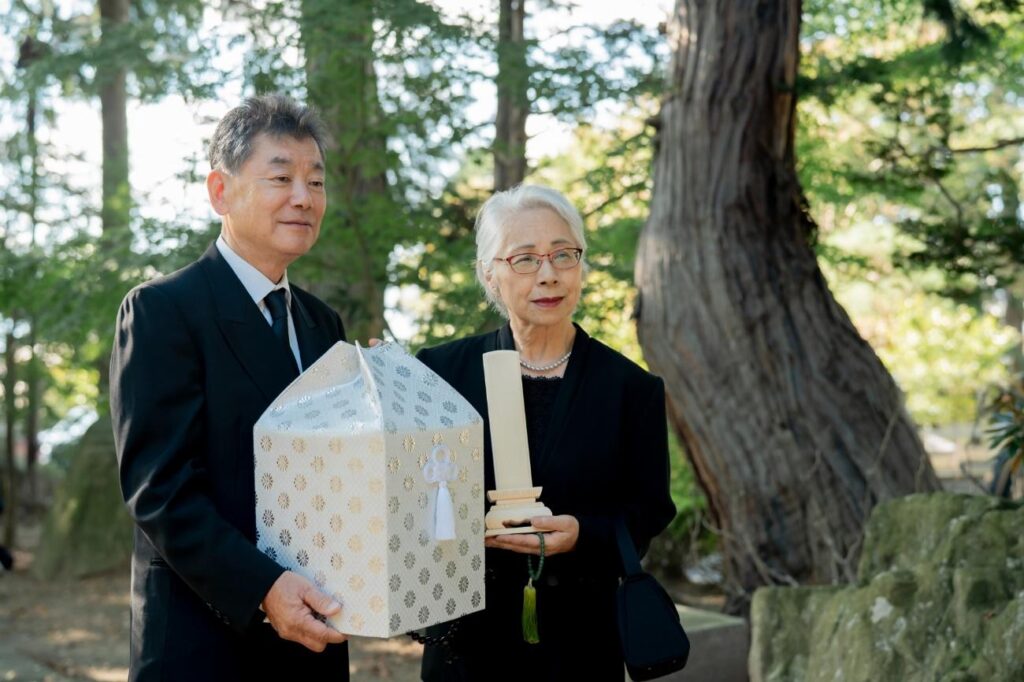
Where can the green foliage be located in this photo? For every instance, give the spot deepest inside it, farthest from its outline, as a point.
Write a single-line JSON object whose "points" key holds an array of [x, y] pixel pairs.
{"points": [[912, 113], [61, 283], [605, 173], [603, 64], [1007, 418], [940, 352], [1006, 434], [691, 504], [160, 46], [908, 147], [688, 535]]}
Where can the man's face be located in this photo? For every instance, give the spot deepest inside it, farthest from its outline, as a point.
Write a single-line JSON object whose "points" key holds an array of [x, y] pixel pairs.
{"points": [[273, 205]]}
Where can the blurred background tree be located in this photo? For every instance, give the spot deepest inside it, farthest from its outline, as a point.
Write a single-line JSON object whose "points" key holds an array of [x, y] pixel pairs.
{"points": [[58, 235]]}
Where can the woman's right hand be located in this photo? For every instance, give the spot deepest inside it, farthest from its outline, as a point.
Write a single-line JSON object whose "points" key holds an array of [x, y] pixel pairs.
{"points": [[560, 536]]}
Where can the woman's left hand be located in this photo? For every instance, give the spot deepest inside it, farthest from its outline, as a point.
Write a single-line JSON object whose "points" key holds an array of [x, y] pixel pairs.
{"points": [[560, 535]]}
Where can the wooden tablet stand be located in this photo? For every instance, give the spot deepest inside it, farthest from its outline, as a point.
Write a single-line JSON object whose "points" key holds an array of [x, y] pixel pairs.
{"points": [[512, 511]]}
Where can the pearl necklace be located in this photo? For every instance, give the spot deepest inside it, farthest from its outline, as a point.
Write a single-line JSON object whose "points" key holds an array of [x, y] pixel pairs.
{"points": [[545, 368]]}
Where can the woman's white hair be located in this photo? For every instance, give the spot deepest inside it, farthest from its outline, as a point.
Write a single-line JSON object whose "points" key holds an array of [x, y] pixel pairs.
{"points": [[498, 213]]}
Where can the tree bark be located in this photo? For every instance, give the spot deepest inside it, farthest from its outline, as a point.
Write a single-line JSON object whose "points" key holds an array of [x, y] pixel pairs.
{"points": [[793, 426], [115, 213], [33, 377], [10, 441], [1014, 318], [513, 97], [360, 227], [33, 381]]}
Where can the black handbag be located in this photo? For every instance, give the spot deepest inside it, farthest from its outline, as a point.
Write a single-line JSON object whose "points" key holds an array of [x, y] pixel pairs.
{"points": [[653, 641]]}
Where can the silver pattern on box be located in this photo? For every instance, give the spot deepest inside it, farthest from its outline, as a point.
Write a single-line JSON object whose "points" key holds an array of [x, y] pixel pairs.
{"points": [[367, 484]]}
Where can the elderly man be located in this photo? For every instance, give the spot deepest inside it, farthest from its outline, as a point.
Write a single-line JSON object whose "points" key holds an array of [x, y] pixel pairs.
{"points": [[198, 356]]}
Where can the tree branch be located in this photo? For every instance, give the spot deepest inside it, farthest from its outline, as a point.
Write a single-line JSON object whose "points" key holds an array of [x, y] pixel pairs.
{"points": [[936, 181], [991, 148], [626, 191]]}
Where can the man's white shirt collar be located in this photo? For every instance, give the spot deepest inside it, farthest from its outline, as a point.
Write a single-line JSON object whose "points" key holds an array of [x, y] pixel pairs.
{"points": [[259, 285], [255, 282]]}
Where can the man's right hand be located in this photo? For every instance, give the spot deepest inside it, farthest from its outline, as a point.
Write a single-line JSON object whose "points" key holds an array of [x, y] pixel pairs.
{"points": [[291, 605]]}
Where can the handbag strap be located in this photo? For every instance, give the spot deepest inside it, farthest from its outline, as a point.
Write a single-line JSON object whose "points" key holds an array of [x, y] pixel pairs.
{"points": [[630, 561]]}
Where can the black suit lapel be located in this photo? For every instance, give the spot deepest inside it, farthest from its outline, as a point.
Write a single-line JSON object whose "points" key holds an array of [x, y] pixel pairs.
{"points": [[245, 329]]}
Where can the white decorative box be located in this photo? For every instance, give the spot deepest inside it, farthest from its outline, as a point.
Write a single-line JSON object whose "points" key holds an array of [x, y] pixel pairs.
{"points": [[369, 482]]}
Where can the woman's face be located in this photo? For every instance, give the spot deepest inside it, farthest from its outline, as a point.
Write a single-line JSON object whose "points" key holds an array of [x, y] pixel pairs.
{"points": [[548, 296]]}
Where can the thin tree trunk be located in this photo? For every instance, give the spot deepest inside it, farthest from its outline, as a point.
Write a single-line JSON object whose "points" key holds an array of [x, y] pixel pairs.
{"points": [[32, 374], [116, 209], [795, 429], [360, 227], [10, 419], [1014, 318], [509, 150], [33, 382], [513, 97]]}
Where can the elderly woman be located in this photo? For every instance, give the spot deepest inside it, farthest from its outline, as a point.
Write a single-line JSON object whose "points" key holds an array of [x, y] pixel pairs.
{"points": [[597, 435]]}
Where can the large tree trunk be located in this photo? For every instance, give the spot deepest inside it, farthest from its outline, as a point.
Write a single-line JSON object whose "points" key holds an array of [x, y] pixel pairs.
{"points": [[794, 427], [362, 222], [116, 209], [513, 97]]}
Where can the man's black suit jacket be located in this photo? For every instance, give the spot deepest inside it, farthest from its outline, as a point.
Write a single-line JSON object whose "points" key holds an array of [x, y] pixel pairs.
{"points": [[194, 366]]}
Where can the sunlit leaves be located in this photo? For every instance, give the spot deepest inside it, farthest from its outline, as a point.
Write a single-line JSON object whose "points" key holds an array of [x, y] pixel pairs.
{"points": [[909, 115]]}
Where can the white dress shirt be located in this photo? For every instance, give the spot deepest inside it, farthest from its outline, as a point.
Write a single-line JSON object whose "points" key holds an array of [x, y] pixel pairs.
{"points": [[259, 285]]}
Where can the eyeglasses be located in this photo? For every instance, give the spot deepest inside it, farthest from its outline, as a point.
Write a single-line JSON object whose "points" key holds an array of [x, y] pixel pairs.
{"points": [[528, 263]]}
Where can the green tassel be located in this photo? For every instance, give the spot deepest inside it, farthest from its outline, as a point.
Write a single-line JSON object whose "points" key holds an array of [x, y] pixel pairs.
{"points": [[530, 633]]}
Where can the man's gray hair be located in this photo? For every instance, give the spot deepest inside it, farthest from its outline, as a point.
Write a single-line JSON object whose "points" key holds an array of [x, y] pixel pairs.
{"points": [[275, 115], [498, 213]]}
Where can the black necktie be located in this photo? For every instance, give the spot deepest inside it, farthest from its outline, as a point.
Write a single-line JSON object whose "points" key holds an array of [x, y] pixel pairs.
{"points": [[278, 307]]}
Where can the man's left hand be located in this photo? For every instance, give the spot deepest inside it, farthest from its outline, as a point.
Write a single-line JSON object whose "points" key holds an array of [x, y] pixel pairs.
{"points": [[560, 535]]}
